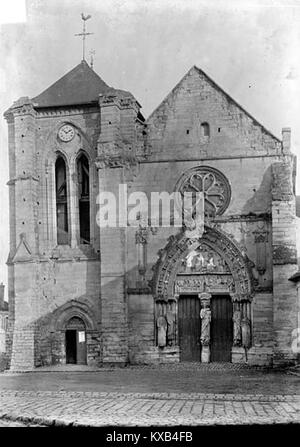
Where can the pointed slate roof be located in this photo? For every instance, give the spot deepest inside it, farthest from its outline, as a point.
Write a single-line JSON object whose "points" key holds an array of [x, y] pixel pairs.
{"points": [[79, 86]]}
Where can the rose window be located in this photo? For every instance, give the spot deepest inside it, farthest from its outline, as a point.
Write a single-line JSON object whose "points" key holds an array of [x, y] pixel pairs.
{"points": [[212, 183]]}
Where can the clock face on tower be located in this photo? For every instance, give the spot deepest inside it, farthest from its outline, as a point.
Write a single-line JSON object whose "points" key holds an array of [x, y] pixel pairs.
{"points": [[66, 132]]}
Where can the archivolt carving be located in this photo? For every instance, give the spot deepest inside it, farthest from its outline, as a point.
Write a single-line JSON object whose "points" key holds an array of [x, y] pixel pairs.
{"points": [[235, 267]]}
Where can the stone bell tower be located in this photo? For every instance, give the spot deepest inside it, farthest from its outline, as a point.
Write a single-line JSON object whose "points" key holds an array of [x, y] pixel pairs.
{"points": [[76, 138]]}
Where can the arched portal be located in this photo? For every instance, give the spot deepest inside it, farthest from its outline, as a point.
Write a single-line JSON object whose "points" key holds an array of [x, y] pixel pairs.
{"points": [[213, 270], [76, 341]]}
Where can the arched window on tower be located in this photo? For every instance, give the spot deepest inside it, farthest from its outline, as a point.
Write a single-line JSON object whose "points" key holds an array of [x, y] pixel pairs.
{"points": [[84, 199], [61, 202], [205, 130]]}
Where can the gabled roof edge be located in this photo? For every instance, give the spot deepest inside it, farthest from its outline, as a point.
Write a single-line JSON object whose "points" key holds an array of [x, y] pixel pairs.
{"points": [[223, 92], [236, 103]]}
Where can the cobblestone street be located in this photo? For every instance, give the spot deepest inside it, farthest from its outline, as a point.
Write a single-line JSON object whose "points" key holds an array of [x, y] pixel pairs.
{"points": [[102, 409], [145, 396]]}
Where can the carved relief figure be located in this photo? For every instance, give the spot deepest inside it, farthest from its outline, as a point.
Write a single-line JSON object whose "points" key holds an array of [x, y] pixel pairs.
{"points": [[199, 262], [202, 260], [246, 332], [208, 282], [237, 330], [161, 324], [210, 264], [170, 316], [246, 335], [205, 315], [189, 259]]}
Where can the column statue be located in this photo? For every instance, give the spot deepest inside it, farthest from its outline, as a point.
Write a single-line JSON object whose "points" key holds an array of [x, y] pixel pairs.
{"points": [[161, 324], [237, 330], [246, 335], [170, 316], [205, 315]]}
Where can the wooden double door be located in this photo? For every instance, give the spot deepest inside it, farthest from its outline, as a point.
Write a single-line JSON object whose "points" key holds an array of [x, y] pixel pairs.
{"points": [[189, 328]]}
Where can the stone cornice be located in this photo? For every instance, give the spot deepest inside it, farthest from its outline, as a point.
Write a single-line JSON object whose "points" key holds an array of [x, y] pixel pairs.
{"points": [[72, 110], [23, 106], [115, 100]]}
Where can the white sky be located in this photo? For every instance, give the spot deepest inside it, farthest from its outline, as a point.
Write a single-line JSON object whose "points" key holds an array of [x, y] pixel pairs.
{"points": [[250, 48]]}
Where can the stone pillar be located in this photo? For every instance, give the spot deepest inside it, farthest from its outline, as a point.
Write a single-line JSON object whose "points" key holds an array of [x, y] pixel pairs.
{"points": [[115, 154], [284, 259], [24, 233], [205, 315], [113, 287]]}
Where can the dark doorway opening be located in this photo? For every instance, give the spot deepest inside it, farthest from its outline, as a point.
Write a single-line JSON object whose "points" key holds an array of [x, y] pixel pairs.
{"points": [[71, 337], [189, 326], [76, 342], [221, 334]]}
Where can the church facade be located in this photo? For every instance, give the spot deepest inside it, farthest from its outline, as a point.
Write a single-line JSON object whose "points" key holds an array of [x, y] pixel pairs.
{"points": [[148, 293]]}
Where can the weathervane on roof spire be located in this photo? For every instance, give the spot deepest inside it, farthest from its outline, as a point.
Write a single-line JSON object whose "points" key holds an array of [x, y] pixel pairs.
{"points": [[84, 34]]}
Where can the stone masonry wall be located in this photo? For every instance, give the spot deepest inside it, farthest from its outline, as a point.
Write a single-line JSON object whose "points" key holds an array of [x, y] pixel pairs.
{"points": [[284, 260], [244, 152]]}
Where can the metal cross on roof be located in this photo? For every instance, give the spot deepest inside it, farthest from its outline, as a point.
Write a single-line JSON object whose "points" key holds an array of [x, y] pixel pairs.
{"points": [[84, 34]]}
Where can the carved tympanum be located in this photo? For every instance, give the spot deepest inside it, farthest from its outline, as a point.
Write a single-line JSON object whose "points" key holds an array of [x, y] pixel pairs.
{"points": [[213, 262]]}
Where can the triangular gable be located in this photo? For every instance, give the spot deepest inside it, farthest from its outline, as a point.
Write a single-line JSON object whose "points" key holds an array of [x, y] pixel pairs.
{"points": [[217, 87]]}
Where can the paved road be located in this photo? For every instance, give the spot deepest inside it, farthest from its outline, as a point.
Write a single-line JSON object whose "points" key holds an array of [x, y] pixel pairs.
{"points": [[174, 395], [111, 409], [179, 378]]}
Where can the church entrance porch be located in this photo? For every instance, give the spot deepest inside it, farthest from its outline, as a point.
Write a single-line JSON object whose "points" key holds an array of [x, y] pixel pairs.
{"points": [[206, 282], [76, 342]]}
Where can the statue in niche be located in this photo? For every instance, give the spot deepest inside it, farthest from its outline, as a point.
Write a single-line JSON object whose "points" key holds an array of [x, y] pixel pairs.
{"points": [[170, 317], [205, 315], [237, 330], [161, 324]]}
